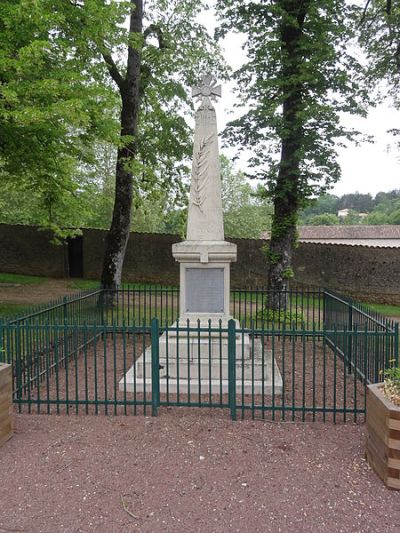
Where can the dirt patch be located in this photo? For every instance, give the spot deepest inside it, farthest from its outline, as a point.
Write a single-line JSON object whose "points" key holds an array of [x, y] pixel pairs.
{"points": [[36, 293], [189, 470]]}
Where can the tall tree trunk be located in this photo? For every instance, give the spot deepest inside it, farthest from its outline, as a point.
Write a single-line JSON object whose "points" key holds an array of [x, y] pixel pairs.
{"points": [[118, 235], [287, 190]]}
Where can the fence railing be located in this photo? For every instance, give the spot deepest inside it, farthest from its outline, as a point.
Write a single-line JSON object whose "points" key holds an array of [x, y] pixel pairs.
{"points": [[343, 313], [278, 374], [252, 307], [77, 308]]}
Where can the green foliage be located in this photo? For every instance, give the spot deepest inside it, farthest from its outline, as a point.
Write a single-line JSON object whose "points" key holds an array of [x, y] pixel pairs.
{"points": [[383, 209], [363, 203], [352, 218], [288, 273], [324, 204], [324, 72], [247, 213], [299, 77], [279, 317], [273, 257], [386, 211], [59, 108], [50, 110], [391, 385], [379, 35], [325, 219]]}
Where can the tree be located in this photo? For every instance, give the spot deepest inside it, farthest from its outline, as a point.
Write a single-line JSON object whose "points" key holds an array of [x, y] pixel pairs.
{"points": [[50, 112], [298, 78], [379, 35], [151, 63], [247, 214], [352, 218], [357, 201], [324, 219], [75, 78], [386, 210]]}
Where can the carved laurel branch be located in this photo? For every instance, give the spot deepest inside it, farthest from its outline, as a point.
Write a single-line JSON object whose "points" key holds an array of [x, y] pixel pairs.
{"points": [[200, 170]]}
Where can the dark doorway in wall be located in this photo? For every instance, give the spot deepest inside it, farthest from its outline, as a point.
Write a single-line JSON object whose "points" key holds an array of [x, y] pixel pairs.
{"points": [[75, 257]]}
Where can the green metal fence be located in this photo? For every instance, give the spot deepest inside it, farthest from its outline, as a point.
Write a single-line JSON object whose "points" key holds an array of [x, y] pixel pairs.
{"points": [[250, 306], [367, 332], [76, 309], [77, 357]]}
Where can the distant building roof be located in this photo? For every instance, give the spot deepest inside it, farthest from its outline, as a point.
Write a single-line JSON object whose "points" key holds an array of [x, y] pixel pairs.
{"points": [[387, 236]]}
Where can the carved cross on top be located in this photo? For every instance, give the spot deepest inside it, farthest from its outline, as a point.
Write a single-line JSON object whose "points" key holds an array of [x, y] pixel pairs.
{"points": [[208, 89]]}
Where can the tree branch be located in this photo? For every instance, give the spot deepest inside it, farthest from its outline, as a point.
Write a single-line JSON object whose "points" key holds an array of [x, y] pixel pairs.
{"points": [[154, 29], [397, 56], [362, 20], [113, 69]]}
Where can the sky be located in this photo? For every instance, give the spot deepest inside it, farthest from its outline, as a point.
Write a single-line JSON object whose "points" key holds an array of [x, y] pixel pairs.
{"points": [[368, 168]]}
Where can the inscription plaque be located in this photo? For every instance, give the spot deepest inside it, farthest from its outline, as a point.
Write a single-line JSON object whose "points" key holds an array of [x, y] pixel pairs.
{"points": [[204, 290]]}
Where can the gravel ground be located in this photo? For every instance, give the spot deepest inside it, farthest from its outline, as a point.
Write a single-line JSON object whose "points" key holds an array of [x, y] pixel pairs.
{"points": [[189, 470]]}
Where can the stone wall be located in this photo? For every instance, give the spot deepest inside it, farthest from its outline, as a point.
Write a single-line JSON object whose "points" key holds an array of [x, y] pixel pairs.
{"points": [[27, 250], [149, 259], [371, 274]]}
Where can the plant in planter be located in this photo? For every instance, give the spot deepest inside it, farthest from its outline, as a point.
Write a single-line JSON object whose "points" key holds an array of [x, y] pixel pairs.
{"points": [[383, 427], [391, 385]]}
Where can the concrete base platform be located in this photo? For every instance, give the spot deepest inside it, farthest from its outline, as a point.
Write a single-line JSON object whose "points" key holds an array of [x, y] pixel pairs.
{"points": [[206, 359]]}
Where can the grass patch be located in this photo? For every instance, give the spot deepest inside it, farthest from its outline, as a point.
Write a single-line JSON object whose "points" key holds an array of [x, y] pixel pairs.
{"points": [[88, 284], [19, 279], [387, 310], [10, 310]]}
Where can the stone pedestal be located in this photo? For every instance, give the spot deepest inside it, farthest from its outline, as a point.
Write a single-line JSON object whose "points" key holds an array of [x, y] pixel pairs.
{"points": [[201, 365], [204, 281]]}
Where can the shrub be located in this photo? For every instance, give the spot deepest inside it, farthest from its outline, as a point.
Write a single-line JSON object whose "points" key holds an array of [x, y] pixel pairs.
{"points": [[281, 317]]}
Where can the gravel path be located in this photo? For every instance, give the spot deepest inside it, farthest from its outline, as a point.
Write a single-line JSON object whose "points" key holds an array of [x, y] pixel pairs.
{"points": [[189, 470]]}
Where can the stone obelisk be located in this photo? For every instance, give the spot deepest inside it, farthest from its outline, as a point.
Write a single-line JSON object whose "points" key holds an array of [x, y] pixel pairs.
{"points": [[193, 358], [205, 256]]}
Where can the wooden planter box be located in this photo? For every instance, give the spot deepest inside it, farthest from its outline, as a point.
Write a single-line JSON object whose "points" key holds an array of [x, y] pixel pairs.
{"points": [[5, 403], [383, 436]]}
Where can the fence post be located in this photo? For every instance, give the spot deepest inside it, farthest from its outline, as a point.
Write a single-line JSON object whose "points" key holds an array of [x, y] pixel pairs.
{"points": [[232, 367], [18, 367], [350, 338], [324, 313], [2, 347], [65, 310], [155, 367], [396, 345]]}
